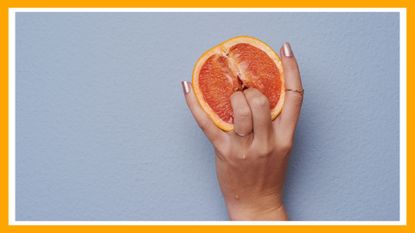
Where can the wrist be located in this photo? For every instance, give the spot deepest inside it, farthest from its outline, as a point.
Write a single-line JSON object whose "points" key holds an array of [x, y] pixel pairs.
{"points": [[264, 210]]}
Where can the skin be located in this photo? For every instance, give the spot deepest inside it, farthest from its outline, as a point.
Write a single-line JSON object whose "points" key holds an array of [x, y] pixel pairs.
{"points": [[251, 168]]}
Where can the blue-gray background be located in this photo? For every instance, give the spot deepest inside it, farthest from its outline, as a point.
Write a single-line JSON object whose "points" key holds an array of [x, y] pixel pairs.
{"points": [[103, 132]]}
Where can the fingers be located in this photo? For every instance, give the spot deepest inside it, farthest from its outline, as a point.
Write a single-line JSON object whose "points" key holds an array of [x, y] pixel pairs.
{"points": [[261, 114], [242, 117], [213, 133], [293, 99]]}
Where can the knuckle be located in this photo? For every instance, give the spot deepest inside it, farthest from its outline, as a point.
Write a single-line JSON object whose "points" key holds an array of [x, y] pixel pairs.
{"points": [[298, 98], [235, 156], [285, 146], [204, 124], [234, 160], [223, 151], [264, 149]]}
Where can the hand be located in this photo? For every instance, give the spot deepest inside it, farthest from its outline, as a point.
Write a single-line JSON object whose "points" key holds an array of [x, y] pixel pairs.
{"points": [[251, 160]]}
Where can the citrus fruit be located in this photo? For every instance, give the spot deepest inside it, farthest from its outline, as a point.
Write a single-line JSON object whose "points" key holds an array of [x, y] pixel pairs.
{"points": [[234, 65]]}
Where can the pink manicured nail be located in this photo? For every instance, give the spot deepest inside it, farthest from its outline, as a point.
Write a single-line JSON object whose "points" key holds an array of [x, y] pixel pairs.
{"points": [[287, 50], [186, 87]]}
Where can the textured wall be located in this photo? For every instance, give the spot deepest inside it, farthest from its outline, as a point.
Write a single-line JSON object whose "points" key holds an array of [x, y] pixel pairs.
{"points": [[103, 132]]}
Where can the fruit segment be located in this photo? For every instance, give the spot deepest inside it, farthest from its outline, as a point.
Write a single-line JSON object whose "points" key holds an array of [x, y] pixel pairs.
{"points": [[242, 67], [218, 83], [235, 65], [257, 70]]}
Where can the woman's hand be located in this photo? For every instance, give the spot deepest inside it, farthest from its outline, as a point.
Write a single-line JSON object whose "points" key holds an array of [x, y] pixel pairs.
{"points": [[252, 159]]}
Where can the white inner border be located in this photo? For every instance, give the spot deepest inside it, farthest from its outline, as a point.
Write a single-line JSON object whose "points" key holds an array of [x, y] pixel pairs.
{"points": [[12, 120]]}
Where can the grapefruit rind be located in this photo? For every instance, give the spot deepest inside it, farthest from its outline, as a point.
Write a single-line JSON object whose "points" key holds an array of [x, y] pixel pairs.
{"points": [[222, 49]]}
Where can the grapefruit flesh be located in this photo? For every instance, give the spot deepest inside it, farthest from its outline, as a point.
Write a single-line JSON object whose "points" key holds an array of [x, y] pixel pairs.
{"points": [[234, 65]]}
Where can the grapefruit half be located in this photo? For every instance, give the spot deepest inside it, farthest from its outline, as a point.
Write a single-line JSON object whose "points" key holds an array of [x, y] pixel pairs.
{"points": [[234, 65]]}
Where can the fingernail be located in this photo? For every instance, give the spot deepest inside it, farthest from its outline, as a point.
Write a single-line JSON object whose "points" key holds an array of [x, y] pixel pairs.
{"points": [[287, 50], [186, 87]]}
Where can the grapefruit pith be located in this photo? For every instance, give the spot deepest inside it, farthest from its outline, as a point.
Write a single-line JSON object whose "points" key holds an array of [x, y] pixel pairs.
{"points": [[235, 65]]}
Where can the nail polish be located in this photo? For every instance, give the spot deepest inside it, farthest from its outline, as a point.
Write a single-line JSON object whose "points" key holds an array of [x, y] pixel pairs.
{"points": [[287, 50], [186, 87]]}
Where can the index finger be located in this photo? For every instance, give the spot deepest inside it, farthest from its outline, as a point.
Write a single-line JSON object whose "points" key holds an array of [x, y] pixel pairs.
{"points": [[214, 134]]}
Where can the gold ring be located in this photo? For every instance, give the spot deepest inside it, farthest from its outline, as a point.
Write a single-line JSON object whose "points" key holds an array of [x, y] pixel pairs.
{"points": [[301, 91], [242, 135]]}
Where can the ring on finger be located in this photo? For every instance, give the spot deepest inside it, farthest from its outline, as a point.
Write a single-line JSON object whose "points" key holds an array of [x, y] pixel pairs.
{"points": [[242, 135], [300, 91]]}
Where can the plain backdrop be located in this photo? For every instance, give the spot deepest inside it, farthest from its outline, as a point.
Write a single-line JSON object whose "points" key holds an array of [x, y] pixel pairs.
{"points": [[103, 132]]}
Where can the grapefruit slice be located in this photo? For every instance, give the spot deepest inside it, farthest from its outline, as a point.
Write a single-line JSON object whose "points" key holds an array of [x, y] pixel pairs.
{"points": [[235, 65]]}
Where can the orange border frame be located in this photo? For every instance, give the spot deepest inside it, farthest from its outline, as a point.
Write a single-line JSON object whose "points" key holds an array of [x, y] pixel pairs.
{"points": [[5, 4]]}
